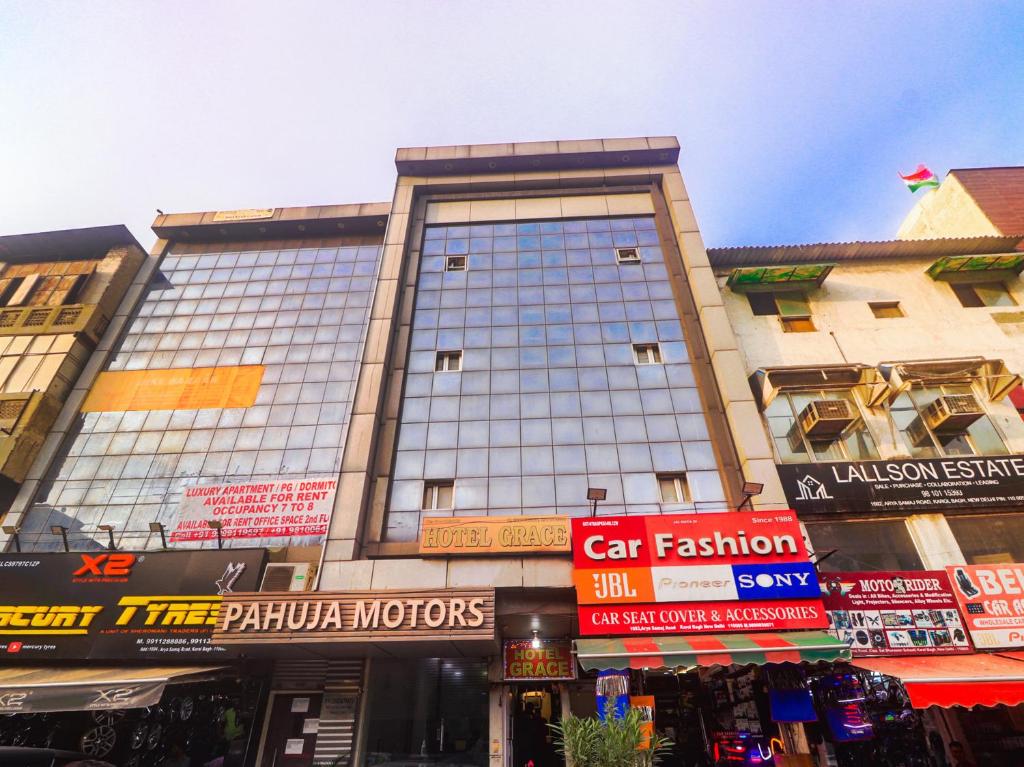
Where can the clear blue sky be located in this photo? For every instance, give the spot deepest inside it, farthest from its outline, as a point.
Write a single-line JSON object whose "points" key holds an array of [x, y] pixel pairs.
{"points": [[794, 117]]}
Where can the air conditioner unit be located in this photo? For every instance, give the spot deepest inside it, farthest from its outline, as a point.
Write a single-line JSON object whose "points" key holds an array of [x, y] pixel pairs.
{"points": [[291, 576], [953, 413], [825, 418]]}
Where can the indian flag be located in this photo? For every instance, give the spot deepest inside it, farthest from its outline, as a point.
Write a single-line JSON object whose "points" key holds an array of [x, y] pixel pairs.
{"points": [[922, 177]]}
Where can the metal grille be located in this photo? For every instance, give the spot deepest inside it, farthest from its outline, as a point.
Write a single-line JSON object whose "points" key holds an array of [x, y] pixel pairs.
{"points": [[832, 408], [10, 409], [68, 316], [961, 404], [37, 317]]}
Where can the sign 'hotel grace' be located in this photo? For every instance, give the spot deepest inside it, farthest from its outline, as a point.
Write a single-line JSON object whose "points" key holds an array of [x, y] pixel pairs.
{"points": [[694, 572]]}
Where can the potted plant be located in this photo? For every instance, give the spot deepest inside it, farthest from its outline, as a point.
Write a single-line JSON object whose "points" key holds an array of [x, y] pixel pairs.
{"points": [[624, 741]]}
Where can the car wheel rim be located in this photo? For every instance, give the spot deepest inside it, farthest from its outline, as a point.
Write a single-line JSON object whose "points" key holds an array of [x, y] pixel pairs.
{"points": [[99, 741]]}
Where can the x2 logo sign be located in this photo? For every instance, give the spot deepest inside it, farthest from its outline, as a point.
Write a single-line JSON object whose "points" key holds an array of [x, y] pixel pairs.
{"points": [[116, 697], [11, 702], [101, 566]]}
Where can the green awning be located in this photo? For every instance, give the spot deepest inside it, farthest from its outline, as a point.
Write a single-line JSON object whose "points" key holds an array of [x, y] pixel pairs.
{"points": [[972, 268], [792, 277], [675, 652]]}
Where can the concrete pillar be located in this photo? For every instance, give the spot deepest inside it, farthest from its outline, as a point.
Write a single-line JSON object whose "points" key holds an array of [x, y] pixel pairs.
{"points": [[499, 746], [935, 542]]}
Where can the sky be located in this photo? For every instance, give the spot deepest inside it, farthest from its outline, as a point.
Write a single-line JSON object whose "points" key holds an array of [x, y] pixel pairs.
{"points": [[794, 117]]}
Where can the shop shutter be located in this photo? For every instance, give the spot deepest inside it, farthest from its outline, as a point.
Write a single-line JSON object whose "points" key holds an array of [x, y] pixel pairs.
{"points": [[339, 711]]}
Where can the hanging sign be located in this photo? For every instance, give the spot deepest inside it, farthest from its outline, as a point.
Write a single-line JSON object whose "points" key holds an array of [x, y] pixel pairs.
{"points": [[894, 613], [731, 571], [551, 661], [991, 600]]}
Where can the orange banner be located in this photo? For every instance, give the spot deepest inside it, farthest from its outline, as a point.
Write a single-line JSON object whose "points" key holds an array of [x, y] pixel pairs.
{"points": [[174, 389], [483, 535]]}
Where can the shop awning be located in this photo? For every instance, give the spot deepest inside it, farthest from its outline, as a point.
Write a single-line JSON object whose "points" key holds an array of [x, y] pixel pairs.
{"points": [[977, 268], [995, 376], [38, 689], [802, 278], [710, 650], [981, 679]]}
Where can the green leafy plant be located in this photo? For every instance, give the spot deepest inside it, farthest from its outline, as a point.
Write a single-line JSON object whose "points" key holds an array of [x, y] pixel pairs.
{"points": [[589, 742]]}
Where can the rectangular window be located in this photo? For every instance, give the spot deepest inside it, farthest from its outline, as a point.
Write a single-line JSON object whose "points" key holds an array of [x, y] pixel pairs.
{"points": [[647, 354], [448, 362], [674, 488], [790, 307], [797, 324], [883, 544], [933, 429], [819, 425], [885, 310], [981, 294], [627, 255], [438, 495], [455, 264]]}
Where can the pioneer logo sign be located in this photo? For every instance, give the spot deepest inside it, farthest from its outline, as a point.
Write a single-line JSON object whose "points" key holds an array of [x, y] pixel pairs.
{"points": [[118, 605], [904, 485], [717, 560]]}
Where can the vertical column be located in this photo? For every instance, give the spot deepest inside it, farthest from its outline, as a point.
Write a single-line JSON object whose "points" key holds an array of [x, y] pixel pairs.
{"points": [[934, 540]]}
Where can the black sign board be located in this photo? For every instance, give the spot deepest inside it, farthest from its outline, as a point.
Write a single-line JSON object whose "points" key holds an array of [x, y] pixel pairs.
{"points": [[904, 485], [118, 605]]}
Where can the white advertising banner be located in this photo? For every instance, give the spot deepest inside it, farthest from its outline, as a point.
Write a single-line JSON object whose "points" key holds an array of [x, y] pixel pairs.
{"points": [[274, 509]]}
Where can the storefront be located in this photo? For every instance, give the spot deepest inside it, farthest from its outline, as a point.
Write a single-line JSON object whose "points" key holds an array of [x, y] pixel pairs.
{"points": [[108, 653]]}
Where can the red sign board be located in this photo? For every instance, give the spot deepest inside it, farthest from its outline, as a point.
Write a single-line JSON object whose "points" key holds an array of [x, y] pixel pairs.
{"points": [[895, 613], [551, 661], [992, 603], [729, 571]]}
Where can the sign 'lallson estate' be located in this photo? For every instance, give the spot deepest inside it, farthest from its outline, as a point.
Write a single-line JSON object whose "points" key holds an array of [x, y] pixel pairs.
{"points": [[358, 616]]}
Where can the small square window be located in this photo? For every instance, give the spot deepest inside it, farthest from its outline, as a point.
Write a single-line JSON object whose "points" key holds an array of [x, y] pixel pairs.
{"points": [[674, 488], [647, 354], [981, 294], [455, 264], [797, 324], [448, 362], [885, 310], [627, 255], [438, 494]]}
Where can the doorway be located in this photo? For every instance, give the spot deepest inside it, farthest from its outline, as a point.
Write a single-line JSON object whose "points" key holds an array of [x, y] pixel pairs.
{"points": [[290, 739], [533, 706]]}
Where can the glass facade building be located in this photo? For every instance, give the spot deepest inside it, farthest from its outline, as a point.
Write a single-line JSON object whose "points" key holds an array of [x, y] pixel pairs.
{"points": [[551, 396], [300, 312]]}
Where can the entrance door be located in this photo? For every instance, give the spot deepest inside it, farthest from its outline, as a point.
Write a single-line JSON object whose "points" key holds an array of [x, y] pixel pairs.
{"points": [[291, 738], [533, 707]]}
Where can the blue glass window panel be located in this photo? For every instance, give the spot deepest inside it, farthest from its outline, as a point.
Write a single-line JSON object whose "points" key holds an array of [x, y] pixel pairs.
{"points": [[533, 380], [590, 355], [529, 242], [413, 436], [432, 263], [536, 431], [458, 231], [656, 401], [422, 362], [606, 262], [565, 404], [505, 406], [539, 491], [551, 227], [478, 261], [686, 400], [531, 315], [705, 487], [537, 460], [643, 222], [587, 333], [626, 403], [659, 290], [614, 332], [630, 428], [446, 383], [661, 428], [637, 311], [647, 237], [505, 336], [699, 455], [471, 494], [505, 278], [584, 313], [571, 241], [439, 464], [679, 375], [595, 403], [664, 310], [456, 247], [532, 357], [481, 244], [504, 382], [651, 377], [423, 339], [442, 435], [481, 230], [474, 407], [667, 456], [567, 431], [476, 359], [406, 495], [504, 297], [610, 292], [576, 258], [504, 433], [451, 299], [562, 379], [624, 239], [591, 379], [561, 356], [479, 280], [582, 294], [580, 275], [478, 297], [504, 462], [504, 492], [476, 382], [669, 330], [529, 259], [554, 259], [621, 224], [444, 409], [505, 359], [426, 318], [503, 230], [418, 384], [598, 430], [640, 488], [474, 434], [435, 233], [416, 410], [621, 377], [531, 277], [535, 405], [570, 459], [552, 242], [611, 312], [504, 244], [531, 296], [558, 313], [505, 315], [528, 228], [532, 335], [635, 457], [478, 322], [643, 332], [451, 318], [599, 239]]}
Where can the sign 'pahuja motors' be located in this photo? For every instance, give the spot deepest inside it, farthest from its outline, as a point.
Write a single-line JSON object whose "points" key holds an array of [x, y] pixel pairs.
{"points": [[491, 535], [350, 616]]}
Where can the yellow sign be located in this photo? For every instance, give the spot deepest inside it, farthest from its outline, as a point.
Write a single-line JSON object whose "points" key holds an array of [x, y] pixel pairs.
{"points": [[488, 535], [174, 389], [246, 214]]}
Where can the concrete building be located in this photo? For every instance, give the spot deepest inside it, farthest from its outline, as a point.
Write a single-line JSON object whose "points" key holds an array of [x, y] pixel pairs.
{"points": [[970, 202]]}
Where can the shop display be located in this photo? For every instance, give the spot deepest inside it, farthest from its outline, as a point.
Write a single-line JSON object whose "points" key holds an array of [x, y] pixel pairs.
{"points": [[204, 720]]}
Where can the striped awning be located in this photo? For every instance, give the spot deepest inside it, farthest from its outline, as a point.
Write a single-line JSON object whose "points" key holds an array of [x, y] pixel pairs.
{"points": [[675, 652]]}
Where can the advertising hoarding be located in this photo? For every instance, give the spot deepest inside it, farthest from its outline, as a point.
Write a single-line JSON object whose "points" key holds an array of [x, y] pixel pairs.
{"points": [[694, 572], [991, 601], [894, 613], [552, 661], [494, 535], [117, 605]]}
